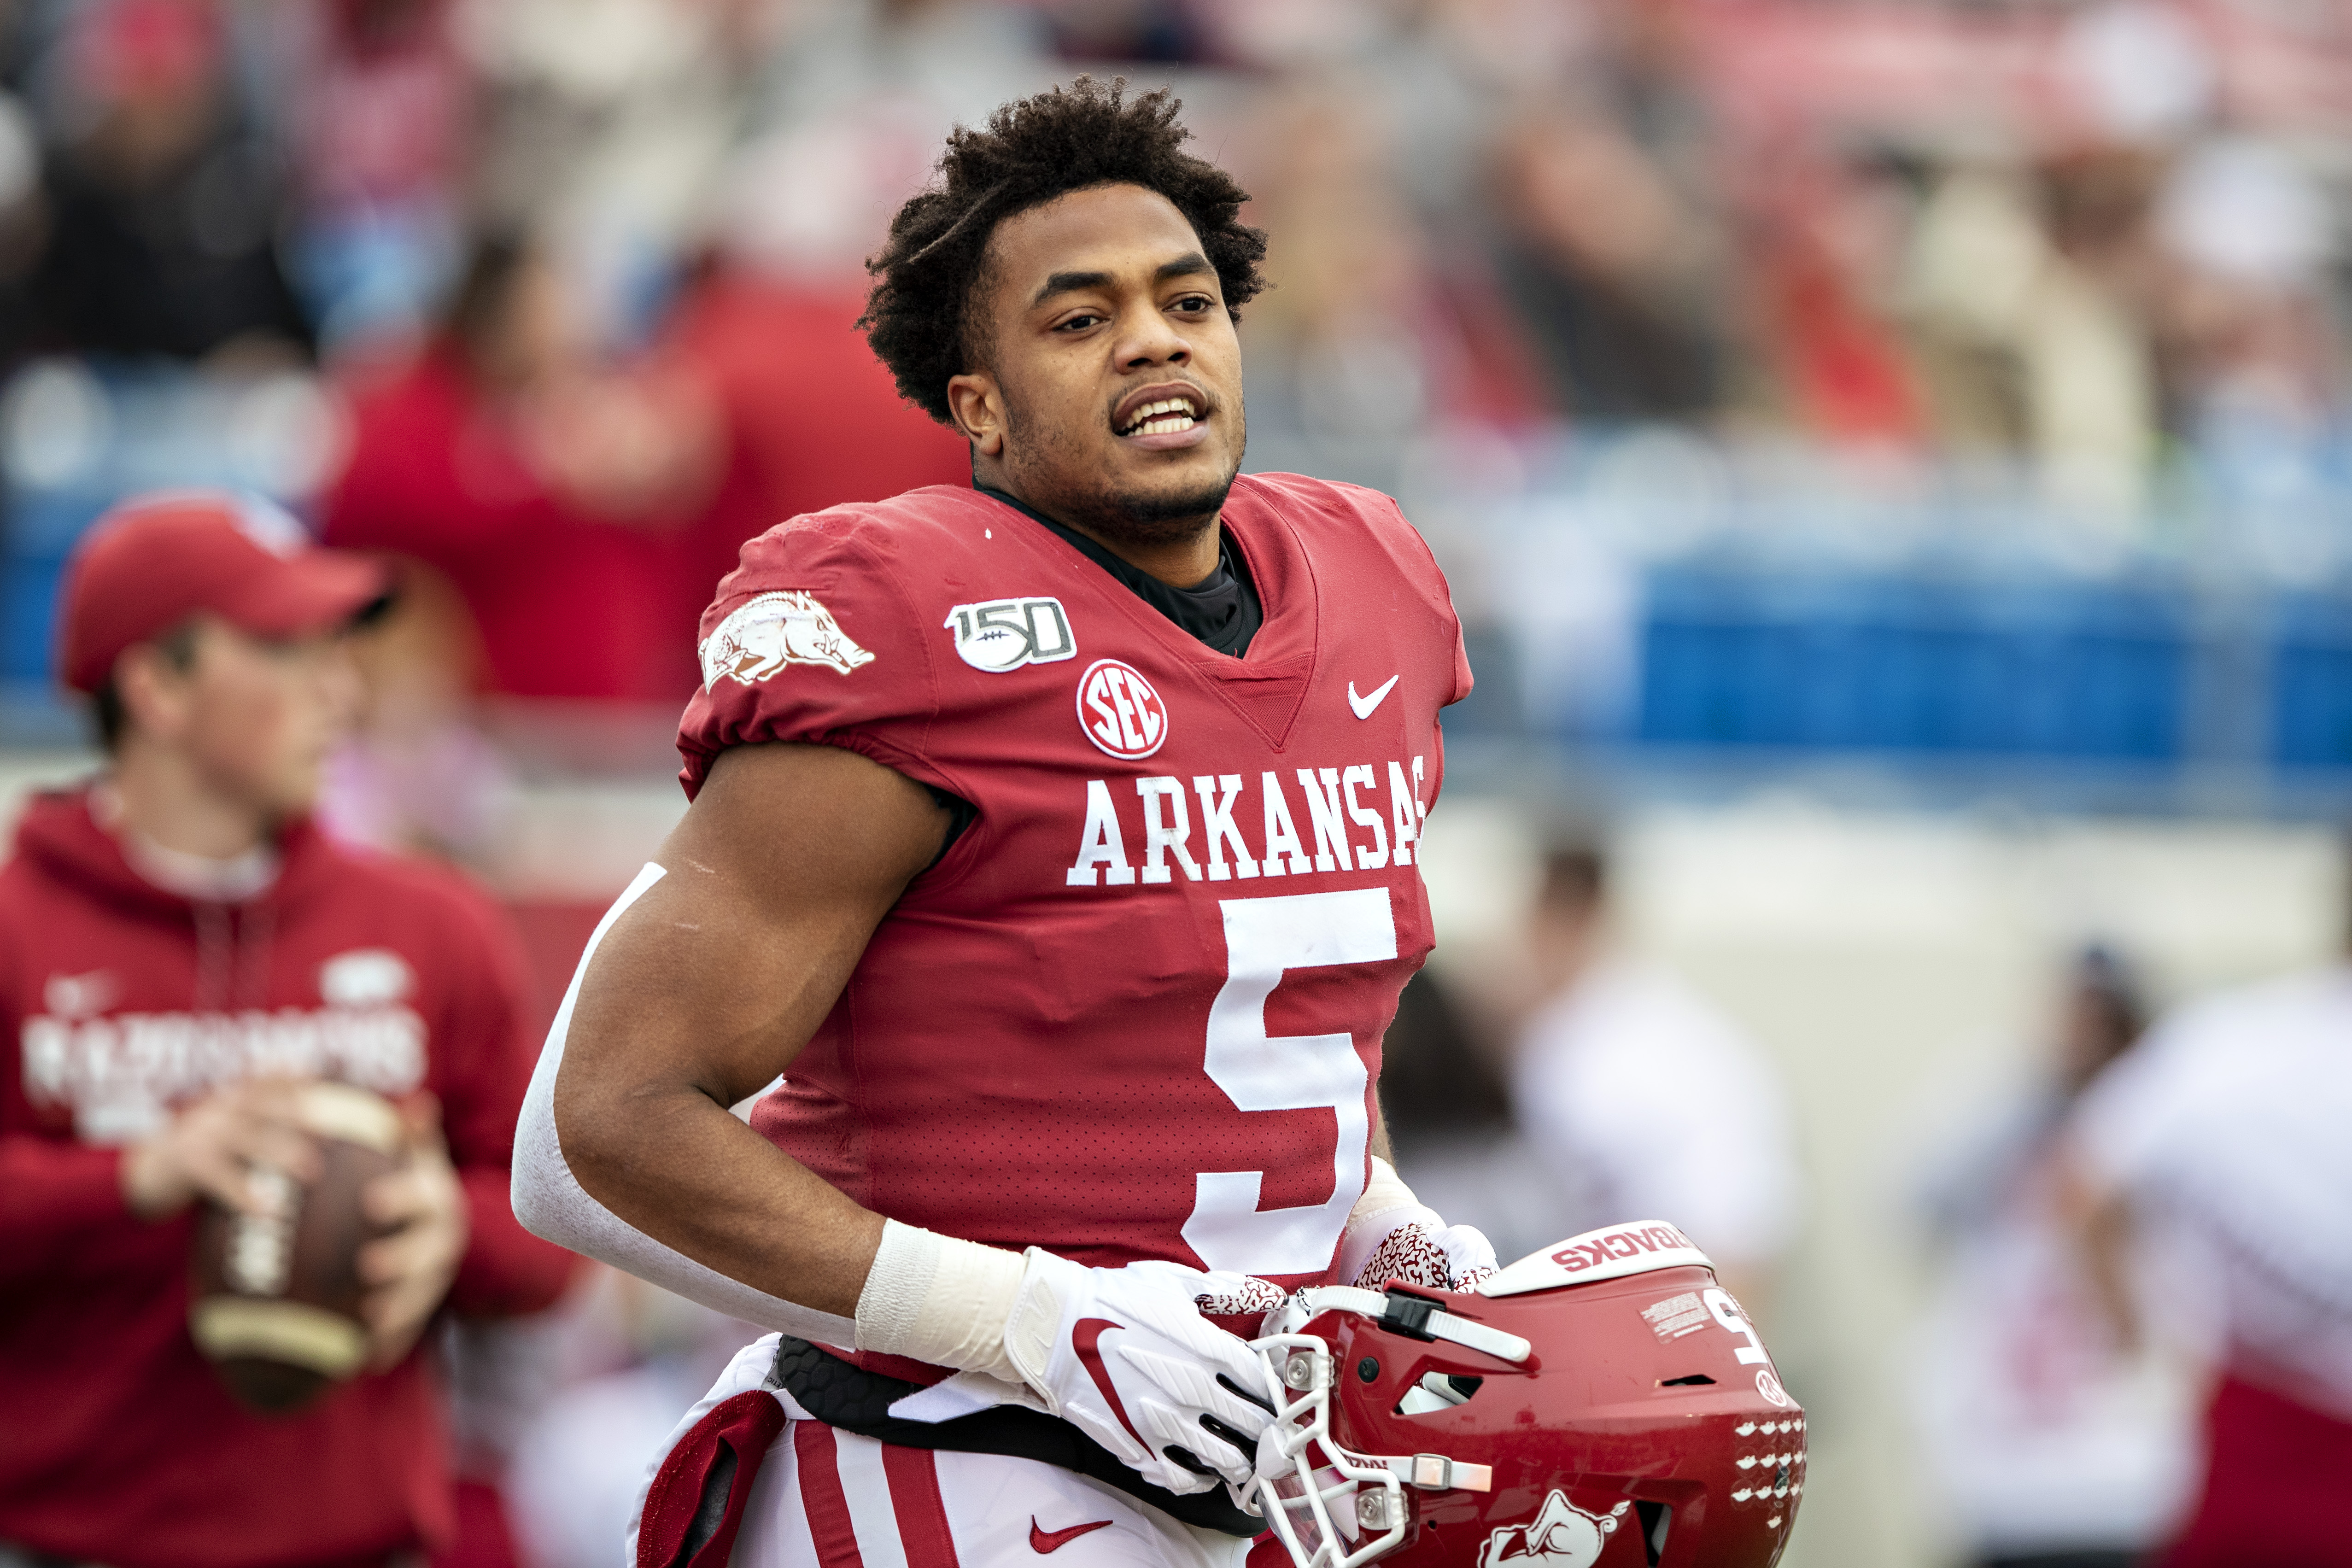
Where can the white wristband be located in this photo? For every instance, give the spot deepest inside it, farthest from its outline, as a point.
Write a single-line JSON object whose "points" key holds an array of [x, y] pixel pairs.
{"points": [[941, 1300]]}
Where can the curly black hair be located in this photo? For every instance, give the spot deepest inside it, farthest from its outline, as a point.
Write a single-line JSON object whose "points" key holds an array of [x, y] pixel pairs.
{"points": [[1035, 150]]}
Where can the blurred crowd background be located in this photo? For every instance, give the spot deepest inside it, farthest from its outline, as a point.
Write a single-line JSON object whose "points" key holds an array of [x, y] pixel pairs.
{"points": [[1891, 454]]}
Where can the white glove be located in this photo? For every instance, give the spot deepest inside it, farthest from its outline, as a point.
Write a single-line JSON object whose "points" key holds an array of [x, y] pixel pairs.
{"points": [[1125, 1356], [1448, 1257], [1392, 1235]]}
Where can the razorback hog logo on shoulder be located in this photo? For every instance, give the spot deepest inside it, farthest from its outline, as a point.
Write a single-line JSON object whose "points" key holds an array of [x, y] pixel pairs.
{"points": [[1561, 1535], [762, 634]]}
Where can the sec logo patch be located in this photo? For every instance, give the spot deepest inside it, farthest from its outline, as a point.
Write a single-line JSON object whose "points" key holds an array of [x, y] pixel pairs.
{"points": [[1119, 711]]}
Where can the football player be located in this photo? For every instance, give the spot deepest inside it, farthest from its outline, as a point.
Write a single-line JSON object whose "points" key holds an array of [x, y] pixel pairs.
{"points": [[1055, 841]]}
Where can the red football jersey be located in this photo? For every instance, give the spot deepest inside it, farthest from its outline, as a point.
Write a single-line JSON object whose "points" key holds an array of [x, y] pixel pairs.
{"points": [[120, 1003], [1136, 1010]]}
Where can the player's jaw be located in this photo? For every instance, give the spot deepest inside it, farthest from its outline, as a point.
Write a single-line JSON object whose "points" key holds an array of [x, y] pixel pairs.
{"points": [[1149, 461], [1174, 448]]}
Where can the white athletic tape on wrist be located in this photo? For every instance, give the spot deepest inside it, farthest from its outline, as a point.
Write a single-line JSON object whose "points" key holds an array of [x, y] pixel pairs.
{"points": [[939, 1298], [1386, 1205], [1383, 1192]]}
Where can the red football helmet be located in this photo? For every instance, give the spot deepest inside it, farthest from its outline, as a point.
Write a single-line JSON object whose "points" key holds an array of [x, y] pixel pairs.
{"points": [[1602, 1404]]}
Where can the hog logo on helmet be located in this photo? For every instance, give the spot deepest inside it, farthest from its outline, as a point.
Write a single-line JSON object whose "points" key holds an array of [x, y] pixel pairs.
{"points": [[1561, 1535], [761, 636]]}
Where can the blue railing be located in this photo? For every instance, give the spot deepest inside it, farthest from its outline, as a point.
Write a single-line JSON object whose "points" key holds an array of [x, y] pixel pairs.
{"points": [[1912, 664]]}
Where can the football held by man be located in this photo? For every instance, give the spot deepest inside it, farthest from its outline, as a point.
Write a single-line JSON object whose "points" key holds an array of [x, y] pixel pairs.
{"points": [[1051, 868]]}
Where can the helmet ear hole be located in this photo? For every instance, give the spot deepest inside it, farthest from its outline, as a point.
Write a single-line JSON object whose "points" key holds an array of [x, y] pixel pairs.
{"points": [[1657, 1518], [1437, 1391], [1695, 1380]]}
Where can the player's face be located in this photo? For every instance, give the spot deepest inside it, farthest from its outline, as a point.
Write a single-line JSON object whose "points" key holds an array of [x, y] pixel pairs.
{"points": [[258, 717], [1113, 401]]}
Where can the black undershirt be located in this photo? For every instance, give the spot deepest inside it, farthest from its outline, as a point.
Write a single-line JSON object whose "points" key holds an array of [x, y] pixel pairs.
{"points": [[1222, 611]]}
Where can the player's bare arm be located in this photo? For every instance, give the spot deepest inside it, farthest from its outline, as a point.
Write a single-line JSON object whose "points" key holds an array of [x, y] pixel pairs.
{"points": [[705, 989], [708, 985]]}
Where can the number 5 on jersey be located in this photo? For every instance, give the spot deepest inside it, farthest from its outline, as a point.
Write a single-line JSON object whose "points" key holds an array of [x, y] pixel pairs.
{"points": [[1263, 938]]}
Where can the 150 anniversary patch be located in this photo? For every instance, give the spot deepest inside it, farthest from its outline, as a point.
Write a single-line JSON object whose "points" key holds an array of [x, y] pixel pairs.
{"points": [[998, 635]]}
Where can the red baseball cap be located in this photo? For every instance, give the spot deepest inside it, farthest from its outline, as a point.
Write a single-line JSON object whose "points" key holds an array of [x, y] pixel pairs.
{"points": [[156, 560]]}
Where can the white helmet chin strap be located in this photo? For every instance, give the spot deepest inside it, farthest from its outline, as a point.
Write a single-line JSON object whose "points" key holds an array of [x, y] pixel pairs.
{"points": [[1312, 1490]]}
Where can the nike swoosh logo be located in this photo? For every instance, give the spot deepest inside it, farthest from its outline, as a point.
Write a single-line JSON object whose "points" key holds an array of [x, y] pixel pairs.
{"points": [[1086, 1339], [1363, 706], [1045, 1540]]}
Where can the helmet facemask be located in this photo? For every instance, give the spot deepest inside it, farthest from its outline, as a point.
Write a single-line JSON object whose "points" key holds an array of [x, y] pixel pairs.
{"points": [[1316, 1500]]}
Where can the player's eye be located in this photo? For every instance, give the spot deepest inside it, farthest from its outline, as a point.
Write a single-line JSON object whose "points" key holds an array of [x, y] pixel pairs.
{"points": [[1083, 319], [1193, 305]]}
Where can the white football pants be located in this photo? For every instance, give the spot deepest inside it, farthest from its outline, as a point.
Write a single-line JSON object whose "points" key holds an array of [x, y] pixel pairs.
{"points": [[829, 1498]]}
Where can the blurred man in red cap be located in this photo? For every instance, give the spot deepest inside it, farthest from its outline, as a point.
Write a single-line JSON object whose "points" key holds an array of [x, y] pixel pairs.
{"points": [[179, 952]]}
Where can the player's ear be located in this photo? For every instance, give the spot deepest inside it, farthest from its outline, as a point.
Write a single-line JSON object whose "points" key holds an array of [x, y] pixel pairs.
{"points": [[153, 688], [977, 406]]}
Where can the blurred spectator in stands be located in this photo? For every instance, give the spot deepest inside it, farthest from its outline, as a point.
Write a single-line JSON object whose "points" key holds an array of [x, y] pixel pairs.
{"points": [[417, 776], [163, 201], [1363, 341], [2032, 291], [2035, 283], [1446, 1103], [1611, 268], [379, 118], [1438, 1081], [1826, 251], [2252, 346], [1640, 1097], [551, 490], [742, 266], [947, 61], [2053, 1441], [2097, 206], [817, 418], [1975, 255], [608, 123], [2221, 1141], [1645, 57], [1438, 74], [771, 324]]}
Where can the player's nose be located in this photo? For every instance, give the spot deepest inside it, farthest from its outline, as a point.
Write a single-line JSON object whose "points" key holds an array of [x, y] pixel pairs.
{"points": [[1149, 338]]}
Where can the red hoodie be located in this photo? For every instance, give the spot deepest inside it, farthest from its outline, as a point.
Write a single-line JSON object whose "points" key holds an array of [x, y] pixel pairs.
{"points": [[118, 1000]]}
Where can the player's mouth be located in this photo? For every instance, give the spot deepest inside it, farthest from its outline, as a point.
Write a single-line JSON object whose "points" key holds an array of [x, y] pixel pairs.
{"points": [[1162, 418]]}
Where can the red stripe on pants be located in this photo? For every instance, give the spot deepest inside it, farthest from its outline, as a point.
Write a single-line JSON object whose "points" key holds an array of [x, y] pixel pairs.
{"points": [[821, 1495], [2275, 1485], [922, 1513]]}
